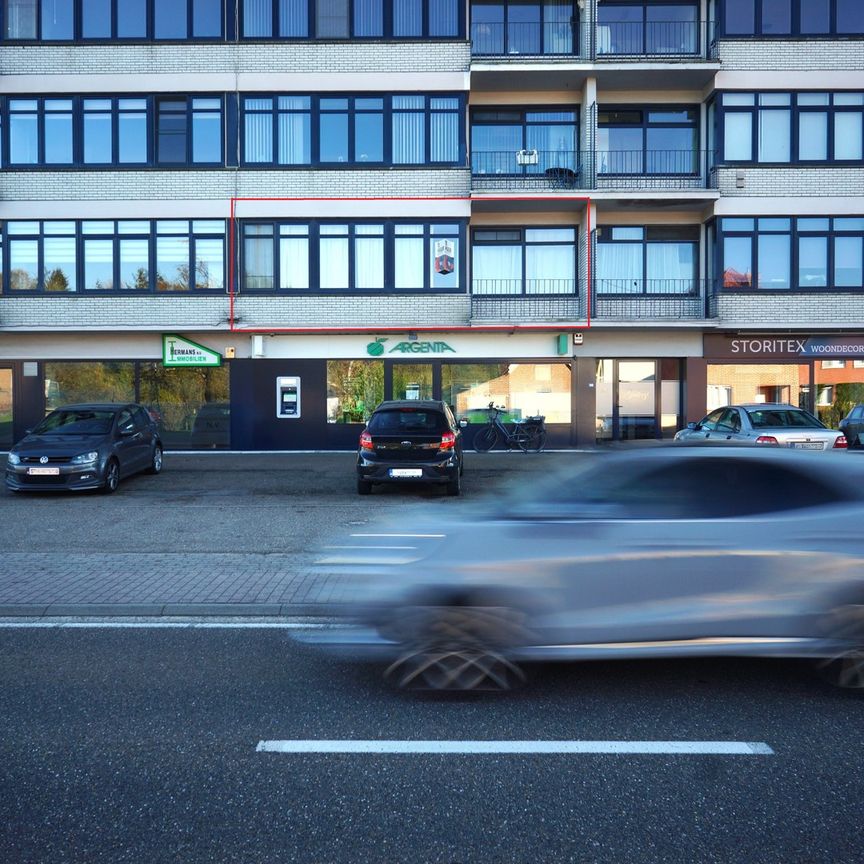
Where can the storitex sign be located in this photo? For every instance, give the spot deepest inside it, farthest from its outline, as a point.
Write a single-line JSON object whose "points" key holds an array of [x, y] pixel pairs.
{"points": [[782, 347], [378, 348], [178, 351]]}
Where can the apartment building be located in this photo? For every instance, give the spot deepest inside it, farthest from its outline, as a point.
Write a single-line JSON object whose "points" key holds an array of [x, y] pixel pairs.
{"points": [[262, 217]]}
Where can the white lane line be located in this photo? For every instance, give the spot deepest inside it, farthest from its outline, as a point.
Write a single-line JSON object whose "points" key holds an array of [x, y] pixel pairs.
{"points": [[433, 536], [164, 625], [675, 748]]}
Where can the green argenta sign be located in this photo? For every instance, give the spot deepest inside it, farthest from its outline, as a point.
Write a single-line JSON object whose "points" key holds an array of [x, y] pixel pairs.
{"points": [[376, 348], [177, 351]]}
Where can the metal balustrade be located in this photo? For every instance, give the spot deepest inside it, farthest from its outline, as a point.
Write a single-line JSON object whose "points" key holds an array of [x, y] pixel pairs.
{"points": [[655, 170], [652, 299], [607, 41], [520, 287]]}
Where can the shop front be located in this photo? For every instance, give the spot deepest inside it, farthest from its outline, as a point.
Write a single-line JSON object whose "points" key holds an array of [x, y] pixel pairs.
{"points": [[822, 373]]}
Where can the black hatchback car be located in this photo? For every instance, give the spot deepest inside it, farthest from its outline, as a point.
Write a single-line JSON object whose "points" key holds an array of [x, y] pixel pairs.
{"points": [[852, 426], [85, 447], [414, 441]]}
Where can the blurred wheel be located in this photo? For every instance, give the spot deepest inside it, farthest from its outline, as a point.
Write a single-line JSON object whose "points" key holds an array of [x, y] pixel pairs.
{"points": [[485, 439], [456, 648], [846, 668]]}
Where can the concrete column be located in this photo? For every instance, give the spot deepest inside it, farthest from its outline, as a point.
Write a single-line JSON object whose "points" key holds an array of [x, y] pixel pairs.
{"points": [[584, 402], [695, 389]]}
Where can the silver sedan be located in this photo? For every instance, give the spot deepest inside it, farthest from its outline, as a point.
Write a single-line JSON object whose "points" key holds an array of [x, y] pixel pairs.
{"points": [[663, 552], [772, 424]]}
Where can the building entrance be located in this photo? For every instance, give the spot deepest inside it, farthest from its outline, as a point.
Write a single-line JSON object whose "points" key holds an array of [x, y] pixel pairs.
{"points": [[6, 433]]}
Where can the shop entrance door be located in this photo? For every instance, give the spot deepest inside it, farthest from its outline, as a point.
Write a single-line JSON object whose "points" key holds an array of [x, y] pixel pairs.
{"points": [[626, 394], [6, 433], [413, 381]]}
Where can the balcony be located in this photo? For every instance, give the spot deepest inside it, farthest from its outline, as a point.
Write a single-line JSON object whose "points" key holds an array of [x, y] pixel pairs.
{"points": [[648, 299], [537, 300], [602, 170]]}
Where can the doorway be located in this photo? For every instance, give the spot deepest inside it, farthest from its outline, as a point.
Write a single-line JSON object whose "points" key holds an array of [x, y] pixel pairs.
{"points": [[6, 432]]}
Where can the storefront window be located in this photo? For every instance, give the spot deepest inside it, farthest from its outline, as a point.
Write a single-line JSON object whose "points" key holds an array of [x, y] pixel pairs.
{"points": [[412, 381], [524, 389], [354, 389], [68, 383], [5, 407], [839, 387], [733, 384], [192, 407]]}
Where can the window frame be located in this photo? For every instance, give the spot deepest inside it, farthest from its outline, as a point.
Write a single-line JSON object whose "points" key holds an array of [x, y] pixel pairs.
{"points": [[314, 245], [795, 30]]}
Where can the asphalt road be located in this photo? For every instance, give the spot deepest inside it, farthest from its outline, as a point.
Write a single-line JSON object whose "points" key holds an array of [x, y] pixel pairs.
{"points": [[140, 746]]}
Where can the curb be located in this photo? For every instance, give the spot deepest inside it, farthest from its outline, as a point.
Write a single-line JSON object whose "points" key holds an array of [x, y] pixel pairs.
{"points": [[171, 610]]}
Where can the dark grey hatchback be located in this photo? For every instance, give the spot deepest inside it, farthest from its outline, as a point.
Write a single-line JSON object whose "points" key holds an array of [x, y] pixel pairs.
{"points": [[89, 446], [414, 441]]}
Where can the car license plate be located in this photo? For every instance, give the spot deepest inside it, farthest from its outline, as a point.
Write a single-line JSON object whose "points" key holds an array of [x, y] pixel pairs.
{"points": [[51, 472], [809, 445], [406, 472]]}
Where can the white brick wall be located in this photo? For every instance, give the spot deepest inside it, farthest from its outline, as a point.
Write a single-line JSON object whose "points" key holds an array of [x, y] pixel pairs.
{"points": [[211, 313], [747, 54], [793, 310], [222, 184], [793, 182], [230, 58]]}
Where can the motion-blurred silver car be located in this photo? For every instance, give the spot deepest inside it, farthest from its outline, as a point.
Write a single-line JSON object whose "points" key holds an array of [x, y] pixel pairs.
{"points": [[670, 551], [772, 424]]}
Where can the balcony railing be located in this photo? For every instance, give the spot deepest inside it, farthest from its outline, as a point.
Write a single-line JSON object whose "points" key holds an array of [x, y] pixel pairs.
{"points": [[522, 287], [527, 308], [651, 170], [648, 299], [609, 41]]}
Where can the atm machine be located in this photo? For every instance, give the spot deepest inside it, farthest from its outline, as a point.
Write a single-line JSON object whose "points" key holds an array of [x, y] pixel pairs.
{"points": [[288, 397]]}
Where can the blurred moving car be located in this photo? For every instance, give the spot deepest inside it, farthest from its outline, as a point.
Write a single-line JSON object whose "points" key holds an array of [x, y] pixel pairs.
{"points": [[418, 441], [90, 446], [665, 552], [852, 426], [770, 424]]}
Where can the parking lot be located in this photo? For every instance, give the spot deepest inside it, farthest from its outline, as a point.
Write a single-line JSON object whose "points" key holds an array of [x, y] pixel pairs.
{"points": [[213, 534]]}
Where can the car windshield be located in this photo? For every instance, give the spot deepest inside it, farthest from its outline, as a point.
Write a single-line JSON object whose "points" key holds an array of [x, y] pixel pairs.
{"points": [[774, 417], [76, 423], [396, 421]]}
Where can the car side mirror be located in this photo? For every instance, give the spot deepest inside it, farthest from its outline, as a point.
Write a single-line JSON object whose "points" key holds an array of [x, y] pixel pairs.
{"points": [[126, 431], [463, 423], [28, 431], [693, 426]]}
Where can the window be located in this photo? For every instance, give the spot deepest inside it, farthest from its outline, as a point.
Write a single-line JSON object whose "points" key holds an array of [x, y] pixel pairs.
{"points": [[660, 140], [647, 260], [533, 27], [354, 389], [784, 18], [64, 20], [92, 131], [523, 261], [107, 255], [648, 28], [351, 130], [499, 136], [782, 253], [339, 19], [188, 131], [779, 128], [373, 256]]}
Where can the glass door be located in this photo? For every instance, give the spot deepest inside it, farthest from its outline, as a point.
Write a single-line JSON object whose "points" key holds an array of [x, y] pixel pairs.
{"points": [[412, 381], [626, 400], [6, 435]]}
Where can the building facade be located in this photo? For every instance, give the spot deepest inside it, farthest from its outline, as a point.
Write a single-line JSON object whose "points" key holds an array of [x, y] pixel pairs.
{"points": [[617, 213]]}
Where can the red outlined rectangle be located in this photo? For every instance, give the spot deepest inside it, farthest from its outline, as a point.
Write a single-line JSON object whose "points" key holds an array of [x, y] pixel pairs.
{"points": [[426, 328]]}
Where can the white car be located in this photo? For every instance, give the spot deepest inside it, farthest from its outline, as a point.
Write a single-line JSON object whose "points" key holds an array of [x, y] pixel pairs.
{"points": [[771, 424], [664, 552]]}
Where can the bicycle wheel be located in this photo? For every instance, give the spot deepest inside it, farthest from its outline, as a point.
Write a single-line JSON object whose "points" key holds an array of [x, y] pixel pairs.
{"points": [[538, 440], [485, 439], [522, 437]]}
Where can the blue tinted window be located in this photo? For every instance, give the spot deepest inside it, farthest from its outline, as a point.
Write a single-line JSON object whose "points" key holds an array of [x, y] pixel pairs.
{"points": [[171, 132], [257, 18], [206, 130], [21, 19], [293, 18], [334, 137], [369, 137], [443, 18], [132, 19], [407, 17], [815, 16], [23, 132], [368, 18], [332, 19], [57, 19], [96, 19], [850, 16], [169, 19], [207, 18], [776, 17], [58, 131], [132, 131], [97, 131], [740, 17]]}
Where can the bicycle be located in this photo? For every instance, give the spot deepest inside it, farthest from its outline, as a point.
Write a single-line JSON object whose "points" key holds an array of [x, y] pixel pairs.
{"points": [[528, 434]]}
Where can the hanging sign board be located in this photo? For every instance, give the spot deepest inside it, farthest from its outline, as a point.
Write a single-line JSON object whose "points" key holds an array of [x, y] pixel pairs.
{"points": [[177, 351]]}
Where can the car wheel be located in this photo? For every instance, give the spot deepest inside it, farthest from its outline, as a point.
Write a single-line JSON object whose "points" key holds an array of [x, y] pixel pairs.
{"points": [[485, 439], [364, 487], [112, 477], [455, 648], [454, 486], [846, 668], [156, 460]]}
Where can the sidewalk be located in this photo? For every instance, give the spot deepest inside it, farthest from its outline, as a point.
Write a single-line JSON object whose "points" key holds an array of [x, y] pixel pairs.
{"points": [[215, 534]]}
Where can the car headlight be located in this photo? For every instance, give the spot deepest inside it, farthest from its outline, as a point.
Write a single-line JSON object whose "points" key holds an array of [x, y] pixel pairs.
{"points": [[86, 458], [14, 459]]}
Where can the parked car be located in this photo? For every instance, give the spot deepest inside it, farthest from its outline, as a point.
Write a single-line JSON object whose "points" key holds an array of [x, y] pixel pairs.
{"points": [[415, 441], [664, 552], [85, 447], [769, 424], [852, 426]]}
